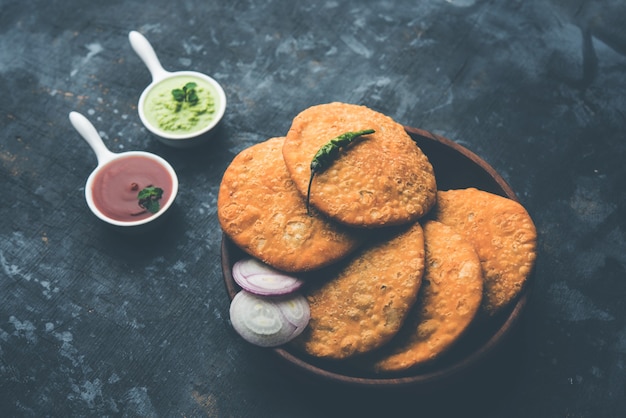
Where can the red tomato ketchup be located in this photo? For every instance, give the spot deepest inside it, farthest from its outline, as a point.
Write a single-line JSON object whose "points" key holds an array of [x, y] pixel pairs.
{"points": [[117, 184]]}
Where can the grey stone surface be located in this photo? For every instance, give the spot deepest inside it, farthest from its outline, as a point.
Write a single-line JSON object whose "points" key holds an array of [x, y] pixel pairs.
{"points": [[93, 323]]}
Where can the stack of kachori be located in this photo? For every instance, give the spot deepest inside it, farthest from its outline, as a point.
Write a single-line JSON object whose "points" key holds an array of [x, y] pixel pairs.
{"points": [[397, 271], [503, 235], [448, 301]]}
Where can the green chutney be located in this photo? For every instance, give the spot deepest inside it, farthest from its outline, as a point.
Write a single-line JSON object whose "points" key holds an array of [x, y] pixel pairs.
{"points": [[169, 115]]}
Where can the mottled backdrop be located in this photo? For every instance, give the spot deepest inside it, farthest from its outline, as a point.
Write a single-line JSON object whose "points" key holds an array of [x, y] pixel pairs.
{"points": [[96, 324]]}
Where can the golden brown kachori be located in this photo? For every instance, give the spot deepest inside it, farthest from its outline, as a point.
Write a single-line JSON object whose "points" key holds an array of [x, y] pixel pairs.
{"points": [[381, 179], [261, 211], [364, 304], [503, 235]]}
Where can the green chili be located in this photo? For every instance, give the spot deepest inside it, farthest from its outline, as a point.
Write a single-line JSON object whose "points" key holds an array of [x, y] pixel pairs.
{"points": [[328, 153]]}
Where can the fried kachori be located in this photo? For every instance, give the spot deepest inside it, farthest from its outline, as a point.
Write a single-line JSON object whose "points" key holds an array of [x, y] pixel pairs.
{"points": [[259, 208], [362, 306], [380, 179], [503, 235]]}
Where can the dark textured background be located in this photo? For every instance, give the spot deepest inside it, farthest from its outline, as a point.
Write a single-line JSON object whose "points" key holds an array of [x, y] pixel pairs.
{"points": [[96, 324]]}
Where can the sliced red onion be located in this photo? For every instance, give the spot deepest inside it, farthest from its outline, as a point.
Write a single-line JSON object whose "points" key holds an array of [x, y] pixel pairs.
{"points": [[269, 321], [261, 279]]}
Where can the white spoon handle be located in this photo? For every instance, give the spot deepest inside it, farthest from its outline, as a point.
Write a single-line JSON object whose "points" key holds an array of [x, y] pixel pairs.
{"points": [[145, 51], [89, 134]]}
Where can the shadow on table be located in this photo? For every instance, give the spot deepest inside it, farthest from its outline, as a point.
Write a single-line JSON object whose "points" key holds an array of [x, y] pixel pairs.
{"points": [[480, 393], [161, 238]]}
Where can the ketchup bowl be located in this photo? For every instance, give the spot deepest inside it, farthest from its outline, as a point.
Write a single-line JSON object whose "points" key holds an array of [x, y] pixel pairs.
{"points": [[186, 120], [129, 190]]}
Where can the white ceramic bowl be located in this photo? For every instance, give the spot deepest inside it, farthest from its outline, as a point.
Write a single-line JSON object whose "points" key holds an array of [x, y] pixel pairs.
{"points": [[105, 158], [159, 75]]}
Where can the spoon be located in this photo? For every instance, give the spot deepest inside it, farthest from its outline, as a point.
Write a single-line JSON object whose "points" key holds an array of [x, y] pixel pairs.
{"points": [[160, 77], [105, 157]]}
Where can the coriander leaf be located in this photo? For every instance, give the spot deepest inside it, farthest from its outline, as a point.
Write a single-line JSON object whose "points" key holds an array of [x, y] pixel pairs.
{"points": [[186, 94], [149, 198], [179, 95], [192, 97]]}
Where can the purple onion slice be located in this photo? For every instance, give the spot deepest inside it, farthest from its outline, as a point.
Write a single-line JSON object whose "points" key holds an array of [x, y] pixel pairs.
{"points": [[259, 278]]}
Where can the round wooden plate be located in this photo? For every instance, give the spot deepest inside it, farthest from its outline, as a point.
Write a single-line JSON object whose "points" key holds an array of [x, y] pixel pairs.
{"points": [[455, 168]]}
